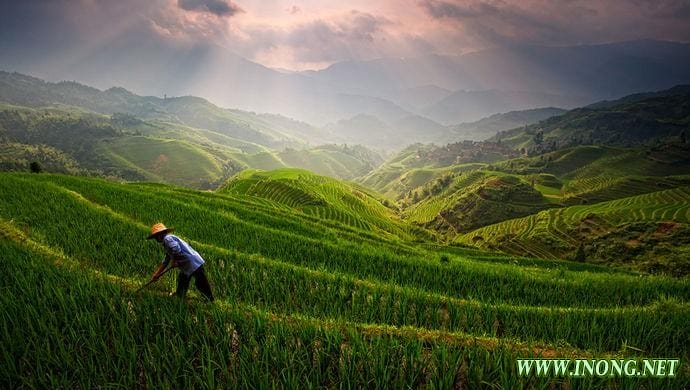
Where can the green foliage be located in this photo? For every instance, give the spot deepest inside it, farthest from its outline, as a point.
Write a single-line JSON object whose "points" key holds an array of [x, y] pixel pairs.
{"points": [[559, 232], [626, 123], [479, 195], [18, 157]]}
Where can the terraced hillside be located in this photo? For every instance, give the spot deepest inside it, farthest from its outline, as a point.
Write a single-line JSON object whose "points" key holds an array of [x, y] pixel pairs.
{"points": [[651, 229], [462, 199], [338, 161], [418, 164], [321, 197], [590, 174], [301, 301], [469, 200]]}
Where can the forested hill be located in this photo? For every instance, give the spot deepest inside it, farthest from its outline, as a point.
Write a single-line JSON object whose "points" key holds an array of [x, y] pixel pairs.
{"points": [[266, 130], [631, 121]]}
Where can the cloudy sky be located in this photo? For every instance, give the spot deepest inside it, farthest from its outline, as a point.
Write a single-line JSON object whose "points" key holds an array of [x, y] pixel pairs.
{"points": [[312, 34]]}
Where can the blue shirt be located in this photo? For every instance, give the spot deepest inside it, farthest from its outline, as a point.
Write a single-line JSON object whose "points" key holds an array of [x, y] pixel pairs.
{"points": [[186, 258]]}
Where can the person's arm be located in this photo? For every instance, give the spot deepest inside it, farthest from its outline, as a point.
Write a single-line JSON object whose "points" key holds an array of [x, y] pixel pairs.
{"points": [[161, 267], [172, 248]]}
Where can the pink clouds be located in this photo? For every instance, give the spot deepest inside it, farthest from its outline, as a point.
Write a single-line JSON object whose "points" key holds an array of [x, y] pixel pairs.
{"points": [[313, 33], [317, 41], [215, 7]]}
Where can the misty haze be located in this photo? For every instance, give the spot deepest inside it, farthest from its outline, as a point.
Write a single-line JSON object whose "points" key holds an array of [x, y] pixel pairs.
{"points": [[388, 194]]}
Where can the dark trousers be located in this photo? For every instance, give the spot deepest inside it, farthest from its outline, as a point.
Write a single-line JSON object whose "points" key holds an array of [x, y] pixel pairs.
{"points": [[200, 282]]}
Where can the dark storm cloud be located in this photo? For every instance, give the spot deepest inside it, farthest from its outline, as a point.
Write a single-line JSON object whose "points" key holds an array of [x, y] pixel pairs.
{"points": [[444, 9], [679, 9], [216, 7], [562, 22]]}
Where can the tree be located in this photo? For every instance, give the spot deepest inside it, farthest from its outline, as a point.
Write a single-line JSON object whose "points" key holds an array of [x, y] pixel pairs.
{"points": [[580, 254], [35, 167], [539, 138]]}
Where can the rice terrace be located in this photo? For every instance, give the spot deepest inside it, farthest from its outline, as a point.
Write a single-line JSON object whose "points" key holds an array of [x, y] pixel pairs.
{"points": [[441, 195]]}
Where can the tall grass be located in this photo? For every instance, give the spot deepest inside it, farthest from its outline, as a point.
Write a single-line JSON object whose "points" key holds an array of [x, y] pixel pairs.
{"points": [[299, 303], [52, 339]]}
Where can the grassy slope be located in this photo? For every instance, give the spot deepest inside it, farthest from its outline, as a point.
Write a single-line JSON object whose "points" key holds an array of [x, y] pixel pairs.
{"points": [[164, 160], [198, 112], [118, 150], [583, 174], [489, 126], [322, 161], [310, 294], [200, 136], [453, 198], [15, 156], [317, 195], [68, 138]]}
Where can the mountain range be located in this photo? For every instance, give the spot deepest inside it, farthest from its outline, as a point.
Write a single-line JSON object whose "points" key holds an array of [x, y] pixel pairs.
{"points": [[275, 131], [446, 89]]}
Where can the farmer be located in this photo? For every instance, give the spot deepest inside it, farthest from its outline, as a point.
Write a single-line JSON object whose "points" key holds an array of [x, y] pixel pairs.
{"points": [[183, 256]]}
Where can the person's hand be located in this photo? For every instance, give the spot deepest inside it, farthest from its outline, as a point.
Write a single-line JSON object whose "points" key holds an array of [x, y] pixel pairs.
{"points": [[155, 276]]}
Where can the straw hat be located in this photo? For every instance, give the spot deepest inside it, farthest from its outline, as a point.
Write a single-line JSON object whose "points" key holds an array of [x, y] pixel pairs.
{"points": [[157, 229]]}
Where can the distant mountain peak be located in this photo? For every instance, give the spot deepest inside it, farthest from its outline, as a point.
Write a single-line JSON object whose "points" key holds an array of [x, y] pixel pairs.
{"points": [[119, 91]]}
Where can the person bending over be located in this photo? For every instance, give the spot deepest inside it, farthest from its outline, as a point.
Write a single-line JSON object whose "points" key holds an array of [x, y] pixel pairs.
{"points": [[183, 256]]}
